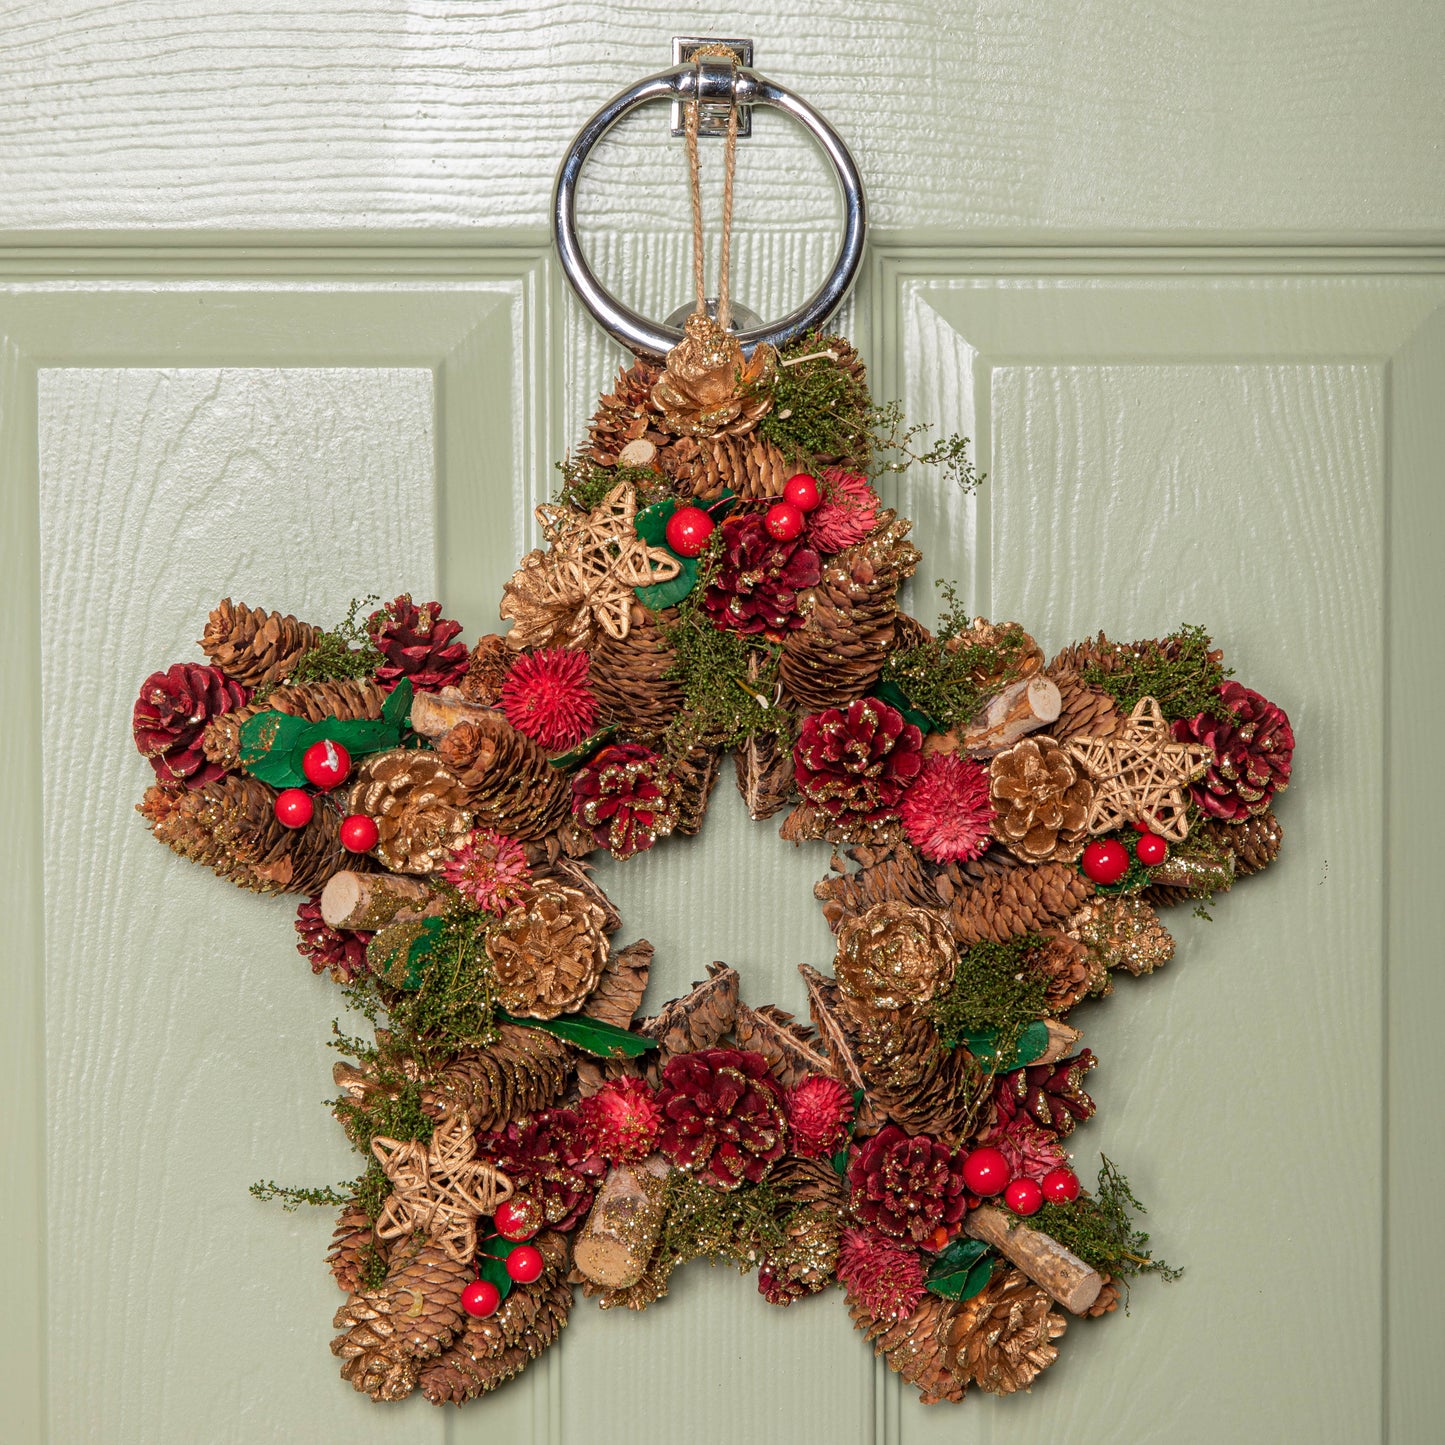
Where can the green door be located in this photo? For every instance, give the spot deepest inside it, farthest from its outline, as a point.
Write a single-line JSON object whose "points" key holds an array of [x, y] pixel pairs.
{"points": [[278, 319]]}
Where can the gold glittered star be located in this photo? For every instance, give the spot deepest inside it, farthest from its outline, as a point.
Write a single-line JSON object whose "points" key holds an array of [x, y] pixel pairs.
{"points": [[1140, 774]]}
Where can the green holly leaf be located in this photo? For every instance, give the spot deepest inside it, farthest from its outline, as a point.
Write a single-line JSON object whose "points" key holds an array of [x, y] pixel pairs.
{"points": [[396, 710], [983, 1045], [894, 696], [652, 528], [960, 1271], [584, 750], [839, 1161], [268, 741], [593, 1036], [495, 1271]]}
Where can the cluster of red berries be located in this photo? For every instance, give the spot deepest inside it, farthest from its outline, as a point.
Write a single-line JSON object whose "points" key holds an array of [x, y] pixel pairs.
{"points": [[1106, 860], [326, 765], [689, 528], [986, 1173], [517, 1219]]}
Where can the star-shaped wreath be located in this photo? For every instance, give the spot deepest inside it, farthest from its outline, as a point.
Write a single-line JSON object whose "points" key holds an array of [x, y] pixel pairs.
{"points": [[1140, 774], [439, 1188]]}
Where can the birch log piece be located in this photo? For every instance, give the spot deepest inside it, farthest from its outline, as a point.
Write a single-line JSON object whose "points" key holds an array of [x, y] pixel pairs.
{"points": [[370, 901], [435, 714], [1021, 708], [1066, 1277], [618, 1238]]}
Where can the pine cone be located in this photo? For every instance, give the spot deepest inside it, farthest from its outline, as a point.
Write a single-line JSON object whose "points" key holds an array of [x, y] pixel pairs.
{"points": [[1085, 710], [759, 581], [808, 1181], [1052, 1095], [1020, 901], [347, 699], [723, 1116], [709, 387], [763, 770], [1121, 932], [628, 679], [180, 820], [896, 875], [905, 1186], [353, 1243], [1004, 1335], [895, 955], [857, 762], [549, 1158], [326, 949], [510, 785], [1106, 656], [1071, 972], [751, 467], [627, 414], [1255, 842], [914, 1347], [417, 642], [809, 823], [525, 1071], [807, 1259], [1042, 800], [627, 797], [696, 775], [548, 951], [838, 654], [486, 670], [253, 646], [420, 808], [1253, 747], [170, 716]]}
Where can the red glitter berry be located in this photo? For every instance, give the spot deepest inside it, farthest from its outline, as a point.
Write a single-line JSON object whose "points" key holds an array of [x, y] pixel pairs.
{"points": [[1105, 861], [986, 1172], [546, 696], [518, 1218], [785, 521], [481, 1298]]}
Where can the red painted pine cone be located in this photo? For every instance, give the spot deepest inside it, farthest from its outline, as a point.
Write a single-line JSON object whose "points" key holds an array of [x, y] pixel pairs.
{"points": [[906, 1187], [1253, 747], [343, 955], [759, 580], [171, 714], [548, 1158], [856, 762], [627, 797], [417, 642], [722, 1116]]}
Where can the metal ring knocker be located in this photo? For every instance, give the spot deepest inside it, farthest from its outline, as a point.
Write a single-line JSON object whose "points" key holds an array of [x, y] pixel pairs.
{"points": [[705, 84]]}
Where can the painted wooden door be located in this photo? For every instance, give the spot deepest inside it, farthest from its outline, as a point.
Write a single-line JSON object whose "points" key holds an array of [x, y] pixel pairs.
{"points": [[278, 320]]}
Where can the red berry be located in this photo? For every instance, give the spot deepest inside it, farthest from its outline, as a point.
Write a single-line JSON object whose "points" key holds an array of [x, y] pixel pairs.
{"points": [[986, 1172], [802, 491], [1023, 1196], [784, 521], [294, 808], [481, 1298], [518, 1218], [1151, 850], [358, 833], [687, 531], [1061, 1186], [325, 764], [525, 1264], [1105, 860]]}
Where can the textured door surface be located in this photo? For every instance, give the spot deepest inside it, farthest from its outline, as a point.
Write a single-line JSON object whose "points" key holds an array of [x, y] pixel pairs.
{"points": [[278, 319]]}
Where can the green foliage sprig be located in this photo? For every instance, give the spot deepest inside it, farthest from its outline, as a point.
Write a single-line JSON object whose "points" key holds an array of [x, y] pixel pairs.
{"points": [[1098, 1228], [454, 1004], [346, 651], [1179, 671], [585, 484], [993, 990], [736, 1227], [291, 1196]]}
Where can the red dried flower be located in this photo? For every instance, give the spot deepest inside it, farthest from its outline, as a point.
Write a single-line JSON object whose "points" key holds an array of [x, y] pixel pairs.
{"points": [[549, 1158], [623, 1119], [489, 870], [946, 811], [342, 954], [880, 1274], [818, 1110], [546, 696], [857, 762], [759, 579], [416, 642], [627, 797], [722, 1115], [171, 713], [1253, 747], [905, 1186], [847, 513]]}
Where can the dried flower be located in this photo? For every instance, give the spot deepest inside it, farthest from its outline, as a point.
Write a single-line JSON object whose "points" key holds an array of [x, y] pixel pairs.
{"points": [[946, 812], [489, 870], [546, 696], [818, 1110], [623, 1119], [847, 513], [882, 1275]]}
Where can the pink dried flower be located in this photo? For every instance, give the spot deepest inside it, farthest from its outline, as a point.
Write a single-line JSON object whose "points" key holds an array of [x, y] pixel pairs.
{"points": [[623, 1119], [1031, 1151], [880, 1274], [818, 1110], [489, 870], [946, 813], [847, 513]]}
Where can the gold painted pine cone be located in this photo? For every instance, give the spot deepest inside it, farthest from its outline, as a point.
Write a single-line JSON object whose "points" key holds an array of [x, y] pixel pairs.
{"points": [[420, 808], [914, 1347], [549, 951], [1042, 800], [893, 955], [708, 386], [1122, 932], [1017, 656], [254, 646], [1004, 1336]]}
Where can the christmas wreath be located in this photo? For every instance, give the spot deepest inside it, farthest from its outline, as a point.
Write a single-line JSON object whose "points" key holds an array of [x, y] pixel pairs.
{"points": [[719, 577]]}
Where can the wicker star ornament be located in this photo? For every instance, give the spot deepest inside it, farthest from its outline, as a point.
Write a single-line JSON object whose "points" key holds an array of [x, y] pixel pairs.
{"points": [[439, 1188], [1140, 774]]}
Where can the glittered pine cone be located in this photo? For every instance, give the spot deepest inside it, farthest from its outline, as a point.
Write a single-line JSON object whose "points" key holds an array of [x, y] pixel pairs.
{"points": [[893, 955], [1052, 1095], [1002, 1337], [548, 1158], [856, 763], [548, 952], [627, 797], [807, 1259], [723, 1117], [170, 716], [1121, 932], [1253, 747], [1041, 798], [905, 1187], [759, 581], [253, 646], [913, 1346], [708, 386], [750, 467], [420, 808], [326, 949], [1070, 971], [417, 642]]}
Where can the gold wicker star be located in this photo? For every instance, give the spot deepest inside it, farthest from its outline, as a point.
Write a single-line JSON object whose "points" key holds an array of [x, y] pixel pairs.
{"points": [[440, 1188], [601, 559], [1140, 774]]}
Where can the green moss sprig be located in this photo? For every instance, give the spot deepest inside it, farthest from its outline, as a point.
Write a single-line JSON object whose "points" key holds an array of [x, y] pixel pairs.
{"points": [[1179, 671], [455, 1003], [994, 990], [585, 483], [736, 1227], [291, 1196], [346, 651]]}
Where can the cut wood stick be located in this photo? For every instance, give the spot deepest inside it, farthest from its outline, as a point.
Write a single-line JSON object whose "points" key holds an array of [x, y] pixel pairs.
{"points": [[1062, 1038], [1065, 1276], [435, 714], [1021, 708], [370, 901], [617, 1240]]}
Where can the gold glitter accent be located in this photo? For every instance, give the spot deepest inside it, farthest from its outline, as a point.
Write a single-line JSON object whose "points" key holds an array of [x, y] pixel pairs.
{"points": [[1122, 933], [893, 955]]}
